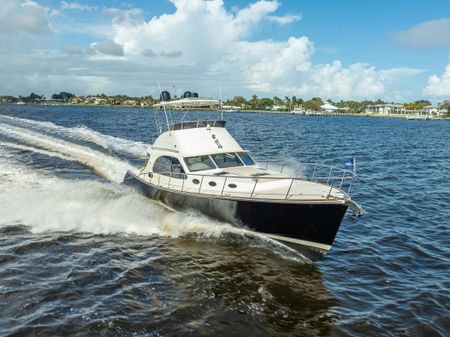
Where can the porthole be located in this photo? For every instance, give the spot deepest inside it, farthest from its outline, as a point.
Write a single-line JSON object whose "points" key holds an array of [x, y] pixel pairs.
{"points": [[212, 183], [196, 181], [150, 175], [232, 185]]}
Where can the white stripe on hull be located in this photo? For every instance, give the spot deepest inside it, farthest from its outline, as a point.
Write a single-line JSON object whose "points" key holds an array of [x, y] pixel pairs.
{"points": [[320, 246]]}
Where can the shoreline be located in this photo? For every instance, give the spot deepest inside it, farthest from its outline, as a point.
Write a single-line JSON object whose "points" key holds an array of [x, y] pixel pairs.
{"points": [[318, 114]]}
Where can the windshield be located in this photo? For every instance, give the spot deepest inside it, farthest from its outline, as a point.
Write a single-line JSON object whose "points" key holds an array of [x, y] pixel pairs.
{"points": [[199, 163], [246, 159], [223, 160]]}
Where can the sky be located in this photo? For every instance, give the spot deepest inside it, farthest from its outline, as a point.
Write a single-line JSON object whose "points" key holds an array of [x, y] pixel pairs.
{"points": [[398, 51]]}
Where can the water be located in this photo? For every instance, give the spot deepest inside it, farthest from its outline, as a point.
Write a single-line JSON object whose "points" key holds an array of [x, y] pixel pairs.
{"points": [[82, 255]]}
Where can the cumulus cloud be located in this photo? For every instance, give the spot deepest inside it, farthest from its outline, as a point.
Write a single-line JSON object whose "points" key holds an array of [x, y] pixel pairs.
{"points": [[358, 80], [107, 47], [210, 39], [439, 86], [428, 34], [24, 16]]}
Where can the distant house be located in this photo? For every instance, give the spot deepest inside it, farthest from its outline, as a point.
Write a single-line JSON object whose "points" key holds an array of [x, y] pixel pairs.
{"points": [[76, 100], [230, 108], [99, 100], [442, 112], [386, 109], [129, 102], [278, 107], [430, 110], [327, 107]]}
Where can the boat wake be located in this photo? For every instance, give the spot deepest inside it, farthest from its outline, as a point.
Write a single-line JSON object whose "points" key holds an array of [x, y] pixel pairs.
{"points": [[43, 202], [81, 132]]}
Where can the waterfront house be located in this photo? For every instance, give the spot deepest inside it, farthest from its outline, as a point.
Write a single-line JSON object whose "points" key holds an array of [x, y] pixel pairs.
{"points": [[430, 110], [327, 107], [442, 112], [278, 107], [99, 100], [129, 102], [386, 109], [435, 110]]}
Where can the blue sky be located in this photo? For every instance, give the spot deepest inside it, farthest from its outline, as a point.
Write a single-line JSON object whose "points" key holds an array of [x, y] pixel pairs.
{"points": [[394, 50]]}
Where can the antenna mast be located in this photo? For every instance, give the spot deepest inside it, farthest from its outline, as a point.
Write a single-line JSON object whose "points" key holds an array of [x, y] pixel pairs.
{"points": [[164, 107], [220, 95]]}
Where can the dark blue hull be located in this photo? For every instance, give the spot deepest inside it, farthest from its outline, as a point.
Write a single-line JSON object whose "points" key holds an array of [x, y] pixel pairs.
{"points": [[313, 225]]}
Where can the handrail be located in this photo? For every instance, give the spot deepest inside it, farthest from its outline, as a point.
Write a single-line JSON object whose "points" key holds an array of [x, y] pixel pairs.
{"points": [[300, 165], [334, 186]]}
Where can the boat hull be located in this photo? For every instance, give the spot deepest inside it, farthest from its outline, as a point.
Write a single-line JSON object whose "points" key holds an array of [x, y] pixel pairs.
{"points": [[307, 224]]}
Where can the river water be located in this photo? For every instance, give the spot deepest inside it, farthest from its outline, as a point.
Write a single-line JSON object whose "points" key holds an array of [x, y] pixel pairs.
{"points": [[82, 255]]}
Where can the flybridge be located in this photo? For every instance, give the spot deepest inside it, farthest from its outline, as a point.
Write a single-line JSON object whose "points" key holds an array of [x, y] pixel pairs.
{"points": [[190, 101]]}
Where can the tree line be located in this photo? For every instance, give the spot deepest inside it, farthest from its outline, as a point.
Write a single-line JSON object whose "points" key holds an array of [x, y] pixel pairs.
{"points": [[254, 103]]}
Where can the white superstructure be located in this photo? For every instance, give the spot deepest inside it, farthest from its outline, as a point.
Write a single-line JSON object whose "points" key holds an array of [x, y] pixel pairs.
{"points": [[190, 151]]}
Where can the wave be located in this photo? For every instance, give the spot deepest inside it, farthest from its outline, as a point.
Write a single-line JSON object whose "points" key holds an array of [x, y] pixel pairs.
{"points": [[106, 165], [82, 132]]}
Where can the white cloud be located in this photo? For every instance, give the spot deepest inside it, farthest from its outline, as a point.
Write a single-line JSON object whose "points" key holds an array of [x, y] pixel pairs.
{"points": [[213, 42], [439, 86], [107, 47], [428, 34], [358, 80], [24, 16], [55, 13], [401, 72], [284, 20], [280, 66], [250, 16], [76, 6]]}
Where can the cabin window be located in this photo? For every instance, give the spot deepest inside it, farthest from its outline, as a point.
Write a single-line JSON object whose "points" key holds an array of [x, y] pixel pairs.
{"points": [[199, 163], [169, 166], [246, 159], [224, 160]]}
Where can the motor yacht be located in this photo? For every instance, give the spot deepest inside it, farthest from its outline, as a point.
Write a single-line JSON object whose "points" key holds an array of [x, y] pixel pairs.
{"points": [[198, 165]]}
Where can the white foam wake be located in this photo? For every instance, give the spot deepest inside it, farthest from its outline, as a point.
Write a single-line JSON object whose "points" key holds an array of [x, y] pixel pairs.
{"points": [[47, 203], [108, 142], [106, 165]]}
